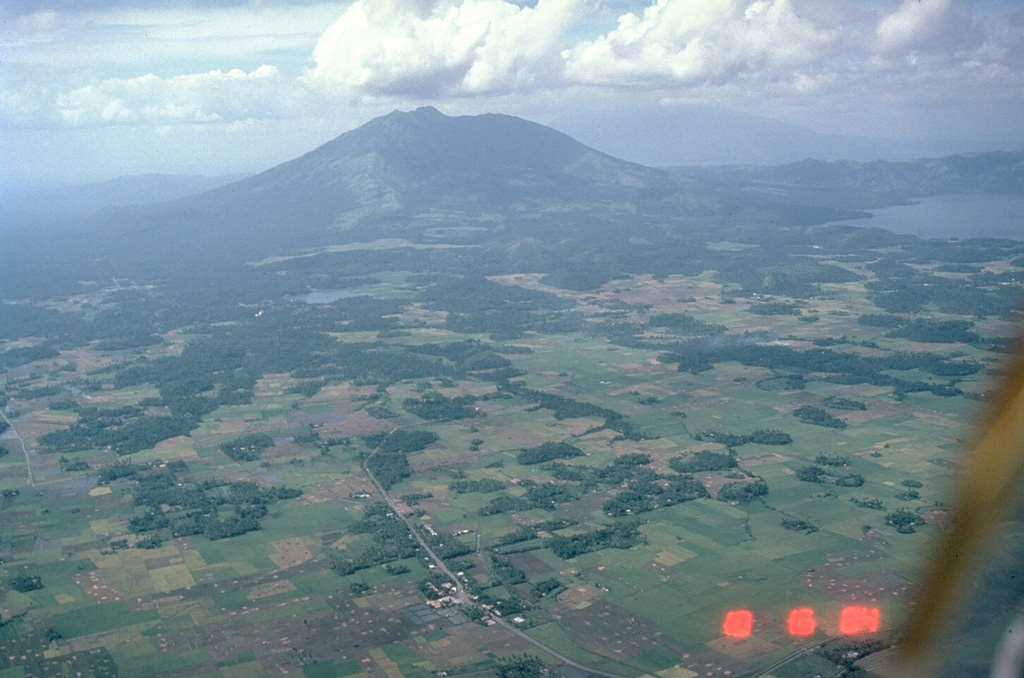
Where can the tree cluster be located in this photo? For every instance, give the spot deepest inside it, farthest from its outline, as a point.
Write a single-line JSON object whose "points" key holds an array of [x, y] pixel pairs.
{"points": [[174, 504], [809, 414], [621, 535], [414, 498], [566, 408], [23, 583], [817, 474], [436, 407], [840, 367], [390, 464], [868, 503], [797, 525], [546, 587], [391, 541], [548, 452], [761, 436], [904, 520], [788, 382], [647, 495], [543, 496], [684, 323], [742, 491], [470, 355], [484, 485], [125, 430], [840, 403], [703, 460], [247, 447], [519, 667], [846, 652], [476, 305], [775, 308], [508, 573]]}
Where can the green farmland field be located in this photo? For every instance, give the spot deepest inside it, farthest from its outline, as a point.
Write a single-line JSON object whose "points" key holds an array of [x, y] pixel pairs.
{"points": [[321, 584]]}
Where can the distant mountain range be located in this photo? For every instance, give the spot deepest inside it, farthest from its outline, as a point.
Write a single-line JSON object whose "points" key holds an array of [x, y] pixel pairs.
{"points": [[712, 135], [60, 203], [864, 185]]}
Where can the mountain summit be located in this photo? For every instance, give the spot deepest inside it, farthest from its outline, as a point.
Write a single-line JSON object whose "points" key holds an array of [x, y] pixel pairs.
{"points": [[424, 158], [394, 176]]}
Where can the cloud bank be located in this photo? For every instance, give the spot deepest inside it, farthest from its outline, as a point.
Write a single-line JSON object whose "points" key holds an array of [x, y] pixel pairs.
{"points": [[474, 47], [204, 98], [411, 51], [880, 67], [682, 44]]}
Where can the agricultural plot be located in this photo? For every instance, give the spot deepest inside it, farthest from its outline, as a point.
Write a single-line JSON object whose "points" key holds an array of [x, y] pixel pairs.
{"points": [[544, 477]]}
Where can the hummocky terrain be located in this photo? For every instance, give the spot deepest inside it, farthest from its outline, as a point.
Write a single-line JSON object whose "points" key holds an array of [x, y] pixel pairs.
{"points": [[462, 395]]}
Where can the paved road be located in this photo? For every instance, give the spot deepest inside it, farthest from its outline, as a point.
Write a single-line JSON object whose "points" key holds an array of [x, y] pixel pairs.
{"points": [[24, 448], [461, 595], [554, 653], [807, 649]]}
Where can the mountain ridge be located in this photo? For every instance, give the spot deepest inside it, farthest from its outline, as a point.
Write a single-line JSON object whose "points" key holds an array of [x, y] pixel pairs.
{"points": [[705, 135], [52, 205], [482, 152], [489, 181], [380, 179]]}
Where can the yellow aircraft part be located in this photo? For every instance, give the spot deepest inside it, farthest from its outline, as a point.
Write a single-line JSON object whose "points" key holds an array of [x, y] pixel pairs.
{"points": [[990, 482]]}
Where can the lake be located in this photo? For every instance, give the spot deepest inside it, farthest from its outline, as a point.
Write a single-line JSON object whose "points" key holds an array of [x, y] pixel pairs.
{"points": [[954, 216], [328, 296]]}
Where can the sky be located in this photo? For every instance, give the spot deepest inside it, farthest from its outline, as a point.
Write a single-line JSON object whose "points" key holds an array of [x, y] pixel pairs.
{"points": [[94, 89]]}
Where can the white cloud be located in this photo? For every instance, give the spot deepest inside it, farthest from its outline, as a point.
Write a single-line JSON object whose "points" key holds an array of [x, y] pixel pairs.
{"points": [[487, 54], [688, 43], [914, 23], [216, 96], [435, 49], [874, 67], [149, 36], [28, 105]]}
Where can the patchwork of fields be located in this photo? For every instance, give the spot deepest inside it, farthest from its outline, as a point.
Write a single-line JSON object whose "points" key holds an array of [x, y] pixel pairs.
{"points": [[321, 589]]}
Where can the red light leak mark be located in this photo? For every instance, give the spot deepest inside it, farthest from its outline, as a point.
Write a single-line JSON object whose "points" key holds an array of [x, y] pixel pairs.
{"points": [[738, 623], [854, 619], [801, 622]]}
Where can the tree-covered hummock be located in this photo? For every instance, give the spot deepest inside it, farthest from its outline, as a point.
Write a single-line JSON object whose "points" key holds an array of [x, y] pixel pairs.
{"points": [[703, 460], [391, 541], [840, 403], [484, 485], [743, 491], [436, 407], [389, 465], [619, 536], [904, 520], [23, 583], [809, 414], [247, 447], [548, 452], [519, 667]]}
